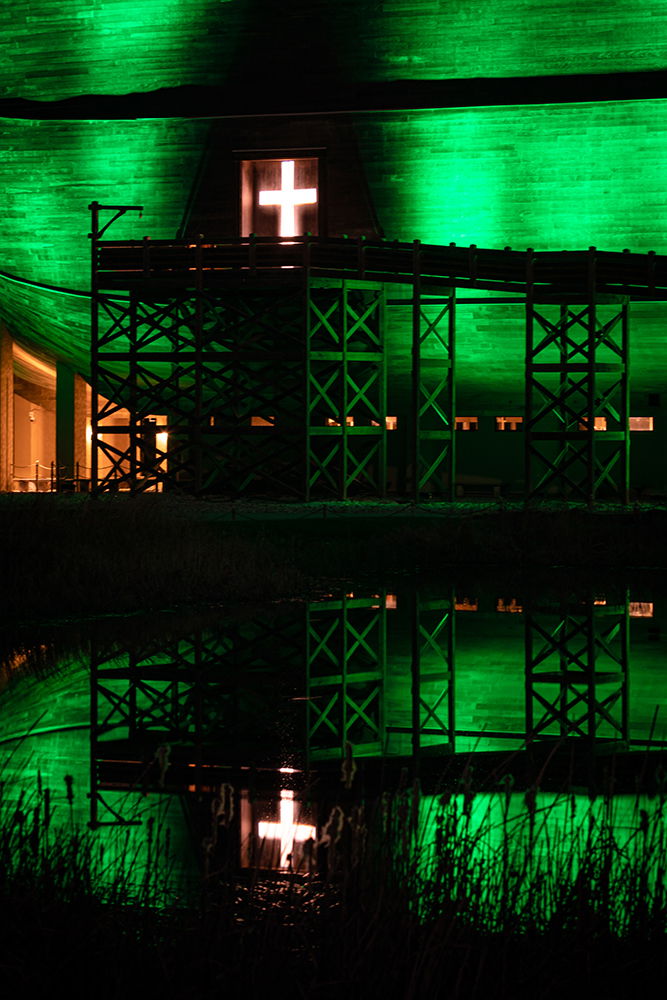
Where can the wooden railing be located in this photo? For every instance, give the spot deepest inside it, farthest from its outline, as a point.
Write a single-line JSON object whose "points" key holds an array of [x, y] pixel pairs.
{"points": [[641, 276]]}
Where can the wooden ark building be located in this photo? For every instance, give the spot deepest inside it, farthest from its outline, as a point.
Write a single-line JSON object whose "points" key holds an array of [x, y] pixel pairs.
{"points": [[413, 246]]}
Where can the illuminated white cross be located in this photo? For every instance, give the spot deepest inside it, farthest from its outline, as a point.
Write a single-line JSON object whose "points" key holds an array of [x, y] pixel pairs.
{"points": [[288, 198], [286, 830]]}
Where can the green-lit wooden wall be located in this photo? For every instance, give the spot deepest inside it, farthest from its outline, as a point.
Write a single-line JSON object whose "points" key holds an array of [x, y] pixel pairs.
{"points": [[558, 176], [551, 177], [58, 50], [50, 171]]}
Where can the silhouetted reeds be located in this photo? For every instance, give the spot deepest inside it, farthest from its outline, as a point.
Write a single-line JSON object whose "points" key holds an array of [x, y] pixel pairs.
{"points": [[462, 895]]}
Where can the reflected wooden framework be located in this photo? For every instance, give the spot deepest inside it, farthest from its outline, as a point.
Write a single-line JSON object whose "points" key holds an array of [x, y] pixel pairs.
{"points": [[577, 673], [433, 723], [367, 677], [161, 707], [346, 665]]}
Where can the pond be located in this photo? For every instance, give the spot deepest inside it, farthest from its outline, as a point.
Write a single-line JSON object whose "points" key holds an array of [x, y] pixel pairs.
{"points": [[249, 740]]}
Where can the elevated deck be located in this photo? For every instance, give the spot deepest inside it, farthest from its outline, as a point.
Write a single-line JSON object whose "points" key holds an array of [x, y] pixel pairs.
{"points": [[572, 275]]}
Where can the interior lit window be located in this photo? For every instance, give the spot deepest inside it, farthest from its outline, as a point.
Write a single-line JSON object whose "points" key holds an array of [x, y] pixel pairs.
{"points": [[279, 197], [391, 423], [509, 423], [467, 423], [641, 423], [641, 609], [465, 604], [262, 421], [153, 446], [330, 422], [513, 607], [600, 424], [390, 602]]}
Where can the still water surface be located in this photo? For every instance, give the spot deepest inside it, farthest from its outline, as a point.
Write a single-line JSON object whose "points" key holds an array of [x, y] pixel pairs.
{"points": [[243, 733]]}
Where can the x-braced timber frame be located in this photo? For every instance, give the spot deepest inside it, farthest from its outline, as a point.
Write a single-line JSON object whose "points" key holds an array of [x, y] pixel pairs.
{"points": [[433, 391], [255, 389], [154, 698], [346, 432], [346, 658], [577, 442], [199, 391], [577, 672], [432, 667]]}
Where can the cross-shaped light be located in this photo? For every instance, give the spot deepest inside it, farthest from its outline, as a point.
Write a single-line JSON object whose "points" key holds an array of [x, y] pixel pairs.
{"points": [[288, 197], [287, 831]]}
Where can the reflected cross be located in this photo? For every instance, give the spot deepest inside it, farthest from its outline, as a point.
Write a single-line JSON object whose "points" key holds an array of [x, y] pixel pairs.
{"points": [[286, 830]]}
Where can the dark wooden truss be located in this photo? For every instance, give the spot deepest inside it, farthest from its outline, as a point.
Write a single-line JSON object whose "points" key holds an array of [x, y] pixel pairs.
{"points": [[432, 651], [577, 440], [346, 664], [279, 390], [211, 335], [577, 672], [360, 676], [179, 694]]}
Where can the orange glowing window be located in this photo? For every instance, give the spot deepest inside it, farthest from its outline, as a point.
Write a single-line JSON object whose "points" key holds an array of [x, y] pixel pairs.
{"points": [[279, 196], [641, 423], [390, 602], [262, 421], [513, 607], [391, 423], [465, 604], [509, 423], [467, 423], [641, 609], [600, 424], [330, 422]]}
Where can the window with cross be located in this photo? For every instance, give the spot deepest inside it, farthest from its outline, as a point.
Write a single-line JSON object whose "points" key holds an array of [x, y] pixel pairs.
{"points": [[280, 196]]}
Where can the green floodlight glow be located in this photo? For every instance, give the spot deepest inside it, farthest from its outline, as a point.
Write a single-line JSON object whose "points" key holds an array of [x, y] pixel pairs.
{"points": [[500, 38], [117, 46], [50, 172], [121, 46], [547, 176], [47, 773]]}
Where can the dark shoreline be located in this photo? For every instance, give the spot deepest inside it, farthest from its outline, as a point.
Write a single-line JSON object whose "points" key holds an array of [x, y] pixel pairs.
{"points": [[74, 556]]}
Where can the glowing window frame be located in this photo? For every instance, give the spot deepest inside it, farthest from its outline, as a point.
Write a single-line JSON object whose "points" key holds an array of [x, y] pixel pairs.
{"points": [[244, 157]]}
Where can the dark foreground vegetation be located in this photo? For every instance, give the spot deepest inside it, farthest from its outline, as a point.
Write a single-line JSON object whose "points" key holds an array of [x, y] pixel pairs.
{"points": [[405, 905], [74, 556]]}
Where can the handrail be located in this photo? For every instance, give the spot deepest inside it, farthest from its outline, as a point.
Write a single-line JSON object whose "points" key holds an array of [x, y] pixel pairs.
{"points": [[118, 262]]}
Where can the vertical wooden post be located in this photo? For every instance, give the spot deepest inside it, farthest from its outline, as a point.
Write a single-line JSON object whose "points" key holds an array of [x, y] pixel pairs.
{"points": [[70, 422], [6, 410]]}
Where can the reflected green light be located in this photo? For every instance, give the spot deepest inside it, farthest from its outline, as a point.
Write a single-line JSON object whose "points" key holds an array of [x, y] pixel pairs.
{"points": [[522, 861]]}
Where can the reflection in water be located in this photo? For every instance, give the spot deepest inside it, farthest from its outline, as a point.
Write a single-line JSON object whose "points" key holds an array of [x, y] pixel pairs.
{"points": [[289, 836], [231, 732]]}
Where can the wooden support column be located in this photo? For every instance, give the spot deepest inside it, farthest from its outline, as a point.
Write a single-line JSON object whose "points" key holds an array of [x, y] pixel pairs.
{"points": [[6, 410], [70, 424]]}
